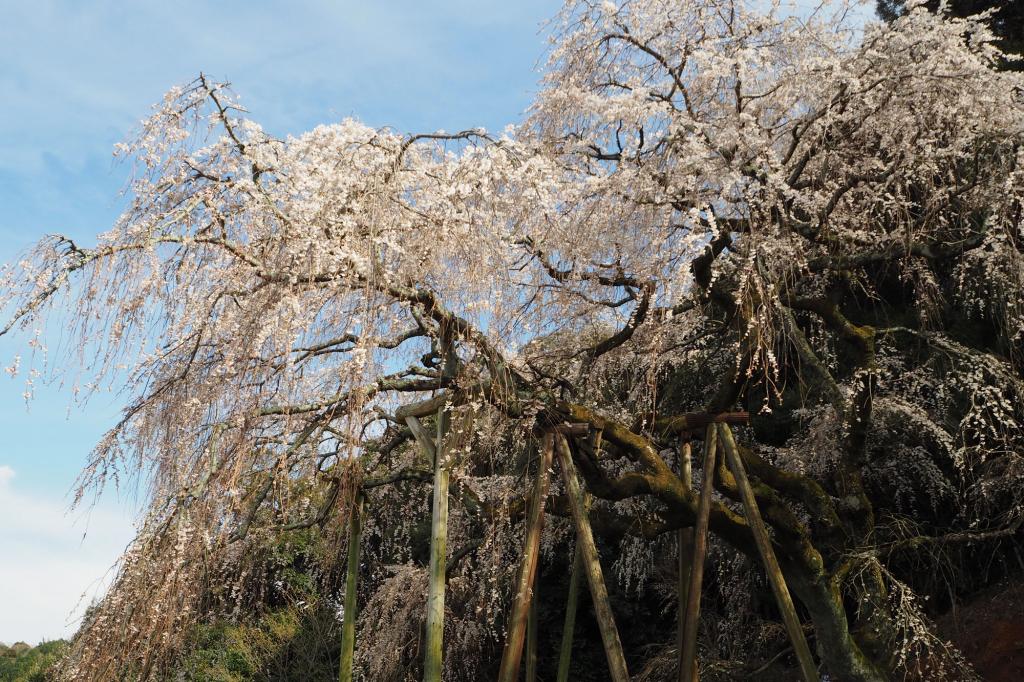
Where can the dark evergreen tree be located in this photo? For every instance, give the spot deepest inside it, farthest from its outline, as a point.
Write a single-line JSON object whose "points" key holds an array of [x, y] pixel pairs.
{"points": [[1007, 21]]}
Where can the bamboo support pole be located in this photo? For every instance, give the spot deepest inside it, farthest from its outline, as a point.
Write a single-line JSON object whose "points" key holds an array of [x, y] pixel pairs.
{"points": [[592, 565], [764, 545], [688, 657], [432, 660], [531, 639], [565, 650], [526, 576], [685, 558], [425, 440], [348, 626], [432, 663]]}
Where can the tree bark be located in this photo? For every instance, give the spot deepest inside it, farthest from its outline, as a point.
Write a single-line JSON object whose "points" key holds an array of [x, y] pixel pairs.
{"points": [[771, 564], [843, 657], [592, 565], [348, 627], [526, 577]]}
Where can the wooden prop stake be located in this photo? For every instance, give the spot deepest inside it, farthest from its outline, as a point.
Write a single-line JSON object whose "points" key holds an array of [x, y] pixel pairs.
{"points": [[771, 564], [425, 440], [531, 639], [565, 651], [348, 626], [432, 660], [688, 657], [685, 550], [526, 576], [592, 565]]}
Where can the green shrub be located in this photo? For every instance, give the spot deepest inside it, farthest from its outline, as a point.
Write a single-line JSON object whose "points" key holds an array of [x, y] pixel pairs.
{"points": [[29, 664], [289, 643]]}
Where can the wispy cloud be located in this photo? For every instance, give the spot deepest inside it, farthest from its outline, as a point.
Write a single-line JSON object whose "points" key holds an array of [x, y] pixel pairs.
{"points": [[53, 563]]}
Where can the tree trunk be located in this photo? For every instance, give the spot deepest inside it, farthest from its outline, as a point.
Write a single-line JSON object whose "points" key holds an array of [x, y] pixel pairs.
{"points": [[840, 652], [688, 655], [348, 627], [771, 564], [592, 565], [526, 577], [565, 651]]}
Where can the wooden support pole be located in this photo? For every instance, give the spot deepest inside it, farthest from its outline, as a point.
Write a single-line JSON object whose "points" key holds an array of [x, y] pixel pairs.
{"points": [[348, 626], [531, 638], [526, 576], [432, 660], [425, 440], [576, 430], [565, 651], [685, 558], [688, 658], [771, 564], [592, 565]]}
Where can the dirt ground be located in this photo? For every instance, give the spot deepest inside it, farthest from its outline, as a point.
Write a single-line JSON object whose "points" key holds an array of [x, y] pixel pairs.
{"points": [[989, 630]]}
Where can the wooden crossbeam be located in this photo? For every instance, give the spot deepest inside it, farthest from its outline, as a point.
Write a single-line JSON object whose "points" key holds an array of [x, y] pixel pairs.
{"points": [[693, 423]]}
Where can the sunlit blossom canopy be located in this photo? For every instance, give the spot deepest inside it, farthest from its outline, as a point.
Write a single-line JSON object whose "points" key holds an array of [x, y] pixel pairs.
{"points": [[711, 205]]}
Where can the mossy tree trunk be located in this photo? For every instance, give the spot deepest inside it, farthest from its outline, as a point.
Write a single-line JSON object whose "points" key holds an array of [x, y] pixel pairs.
{"points": [[817, 580]]}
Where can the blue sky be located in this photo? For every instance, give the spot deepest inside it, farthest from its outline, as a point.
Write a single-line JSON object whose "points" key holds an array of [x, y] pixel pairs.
{"points": [[76, 77]]}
